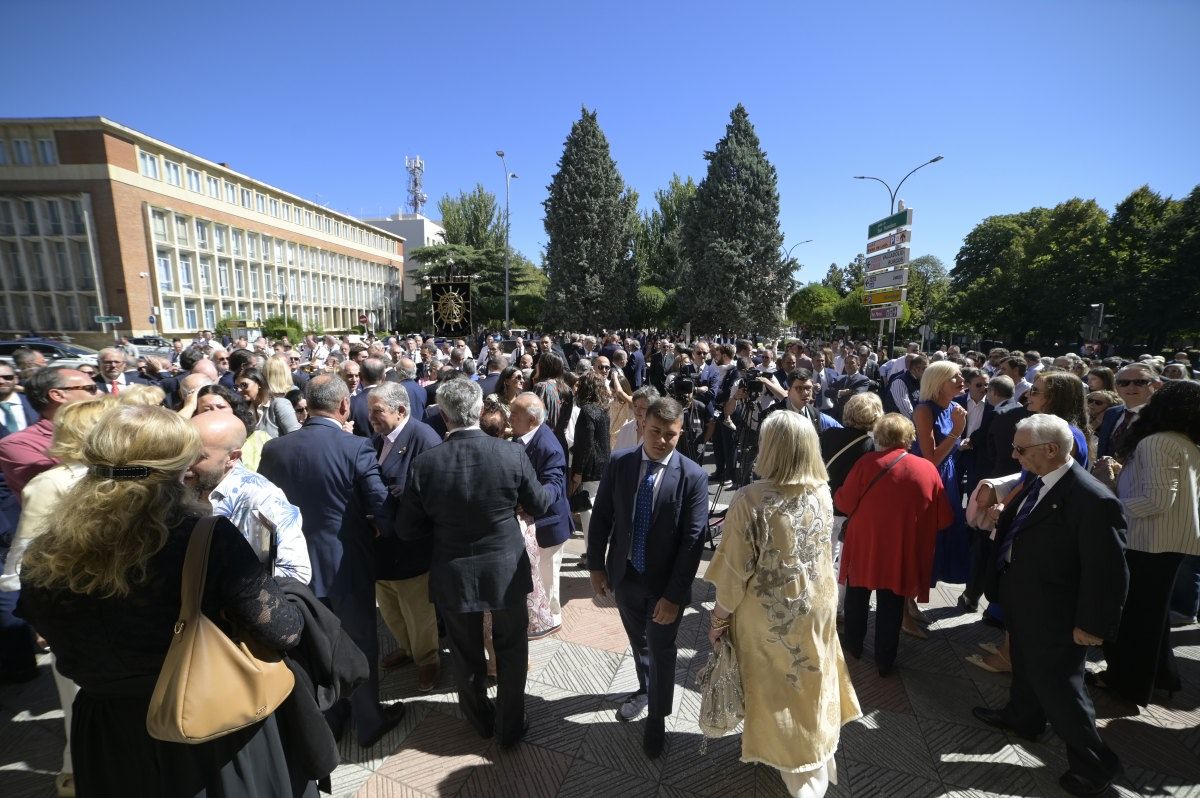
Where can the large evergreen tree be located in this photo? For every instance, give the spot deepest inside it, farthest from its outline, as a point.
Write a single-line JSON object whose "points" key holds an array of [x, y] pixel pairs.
{"points": [[590, 223], [474, 219], [735, 281]]}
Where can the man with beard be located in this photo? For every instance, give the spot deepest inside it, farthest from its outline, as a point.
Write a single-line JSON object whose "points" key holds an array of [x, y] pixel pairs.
{"points": [[249, 500]]}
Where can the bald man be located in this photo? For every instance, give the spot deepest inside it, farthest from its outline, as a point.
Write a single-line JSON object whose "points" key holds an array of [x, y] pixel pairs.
{"points": [[249, 500]]}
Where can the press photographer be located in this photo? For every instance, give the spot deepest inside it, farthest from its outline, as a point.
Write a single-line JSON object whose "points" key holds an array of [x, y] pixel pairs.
{"points": [[682, 388]]}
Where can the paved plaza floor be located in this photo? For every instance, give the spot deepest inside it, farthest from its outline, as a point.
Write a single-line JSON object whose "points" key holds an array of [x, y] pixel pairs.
{"points": [[917, 736]]}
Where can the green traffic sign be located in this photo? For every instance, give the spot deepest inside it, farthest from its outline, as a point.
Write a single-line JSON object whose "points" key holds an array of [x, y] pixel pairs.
{"points": [[109, 319], [901, 219]]}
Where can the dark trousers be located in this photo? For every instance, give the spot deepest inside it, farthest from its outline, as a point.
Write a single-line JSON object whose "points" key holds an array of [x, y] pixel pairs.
{"points": [[17, 653], [725, 451], [357, 614], [510, 629], [1141, 658], [1186, 597], [889, 613], [981, 549], [653, 644], [1047, 685]]}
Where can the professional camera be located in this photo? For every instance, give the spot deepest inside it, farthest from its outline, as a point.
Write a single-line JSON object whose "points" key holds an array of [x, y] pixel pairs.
{"points": [[751, 384], [681, 388]]}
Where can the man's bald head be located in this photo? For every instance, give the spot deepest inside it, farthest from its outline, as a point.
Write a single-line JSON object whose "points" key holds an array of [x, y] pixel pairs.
{"points": [[192, 383], [527, 413], [220, 430], [207, 368]]}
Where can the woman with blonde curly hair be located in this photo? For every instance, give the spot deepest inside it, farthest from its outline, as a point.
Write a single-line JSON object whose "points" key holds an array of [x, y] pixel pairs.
{"points": [[102, 584]]}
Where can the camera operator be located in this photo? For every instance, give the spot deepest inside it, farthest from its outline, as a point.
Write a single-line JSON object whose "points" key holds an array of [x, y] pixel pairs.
{"points": [[726, 376], [799, 400], [695, 417], [852, 382]]}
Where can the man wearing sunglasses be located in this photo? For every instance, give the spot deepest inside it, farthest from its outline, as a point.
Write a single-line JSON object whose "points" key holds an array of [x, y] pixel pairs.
{"points": [[24, 454], [18, 413], [1135, 384]]}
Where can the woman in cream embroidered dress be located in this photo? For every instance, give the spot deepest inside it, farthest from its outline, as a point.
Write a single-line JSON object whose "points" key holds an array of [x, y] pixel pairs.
{"points": [[777, 596]]}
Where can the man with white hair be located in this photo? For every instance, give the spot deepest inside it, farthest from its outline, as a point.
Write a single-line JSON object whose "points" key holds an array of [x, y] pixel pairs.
{"points": [[114, 374], [546, 455], [1058, 568]]}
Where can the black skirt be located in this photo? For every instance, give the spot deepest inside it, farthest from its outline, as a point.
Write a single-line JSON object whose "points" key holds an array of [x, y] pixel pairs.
{"points": [[113, 755]]}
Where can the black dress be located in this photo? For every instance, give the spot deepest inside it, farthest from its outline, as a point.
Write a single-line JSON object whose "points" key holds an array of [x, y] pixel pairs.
{"points": [[113, 648]]}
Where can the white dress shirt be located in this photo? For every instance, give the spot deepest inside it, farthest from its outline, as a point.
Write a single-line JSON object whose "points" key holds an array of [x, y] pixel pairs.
{"points": [[662, 467], [974, 415], [389, 440], [18, 410]]}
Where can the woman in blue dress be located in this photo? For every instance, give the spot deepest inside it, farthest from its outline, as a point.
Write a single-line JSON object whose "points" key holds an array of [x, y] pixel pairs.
{"points": [[940, 422]]}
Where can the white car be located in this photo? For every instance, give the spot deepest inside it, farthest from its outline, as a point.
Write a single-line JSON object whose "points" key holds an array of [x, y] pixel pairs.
{"points": [[56, 353]]}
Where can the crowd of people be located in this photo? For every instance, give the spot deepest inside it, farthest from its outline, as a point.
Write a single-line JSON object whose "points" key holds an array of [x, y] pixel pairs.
{"points": [[434, 483]]}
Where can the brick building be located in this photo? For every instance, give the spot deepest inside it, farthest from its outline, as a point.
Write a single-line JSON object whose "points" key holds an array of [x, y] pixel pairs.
{"points": [[98, 219]]}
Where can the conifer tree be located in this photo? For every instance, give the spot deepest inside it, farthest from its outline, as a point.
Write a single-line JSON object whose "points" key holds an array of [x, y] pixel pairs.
{"points": [[736, 281], [590, 223]]}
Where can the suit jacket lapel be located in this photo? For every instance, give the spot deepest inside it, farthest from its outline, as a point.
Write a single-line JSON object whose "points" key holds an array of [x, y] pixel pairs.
{"points": [[668, 483], [1049, 501]]}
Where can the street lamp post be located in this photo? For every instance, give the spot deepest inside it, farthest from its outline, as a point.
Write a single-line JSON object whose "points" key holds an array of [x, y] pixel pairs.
{"points": [[508, 178], [788, 254], [892, 209], [892, 194]]}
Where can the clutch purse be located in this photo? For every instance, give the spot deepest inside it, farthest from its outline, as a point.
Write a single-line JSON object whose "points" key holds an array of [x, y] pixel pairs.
{"points": [[722, 702], [209, 685], [580, 500]]}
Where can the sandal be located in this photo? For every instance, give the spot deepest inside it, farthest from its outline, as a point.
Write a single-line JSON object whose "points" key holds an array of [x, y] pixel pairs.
{"points": [[980, 662]]}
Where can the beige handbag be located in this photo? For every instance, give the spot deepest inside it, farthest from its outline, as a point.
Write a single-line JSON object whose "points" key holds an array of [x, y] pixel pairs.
{"points": [[722, 702], [209, 685]]}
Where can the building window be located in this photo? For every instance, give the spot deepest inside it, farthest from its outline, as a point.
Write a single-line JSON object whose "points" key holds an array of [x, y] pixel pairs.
{"points": [[308, 218], [191, 320], [77, 227], [3, 162], [231, 193], [237, 242], [166, 275], [54, 217], [12, 259], [7, 226], [278, 251], [22, 154], [260, 202], [239, 283], [210, 315], [246, 198], [252, 245], [170, 316], [158, 221], [291, 254], [149, 163], [287, 212], [63, 262], [185, 273], [201, 234], [268, 283], [171, 173], [46, 153], [223, 277], [275, 208], [193, 178], [253, 282], [219, 238], [83, 275], [181, 230], [205, 274]]}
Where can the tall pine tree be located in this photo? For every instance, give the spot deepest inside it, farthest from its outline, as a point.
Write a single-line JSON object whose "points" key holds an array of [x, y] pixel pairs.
{"points": [[736, 280], [590, 223]]}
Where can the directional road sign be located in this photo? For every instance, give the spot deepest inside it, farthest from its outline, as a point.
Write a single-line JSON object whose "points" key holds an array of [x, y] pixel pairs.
{"points": [[886, 260], [109, 319], [885, 312], [884, 297], [890, 240], [901, 219], [897, 278]]}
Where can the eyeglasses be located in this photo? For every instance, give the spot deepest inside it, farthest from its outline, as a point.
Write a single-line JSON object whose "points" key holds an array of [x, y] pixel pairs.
{"points": [[1022, 449], [244, 386], [1141, 383], [1034, 392], [8, 377], [604, 368], [90, 388]]}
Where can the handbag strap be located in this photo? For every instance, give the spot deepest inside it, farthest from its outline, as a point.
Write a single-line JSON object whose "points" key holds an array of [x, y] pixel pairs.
{"points": [[871, 484], [846, 448], [195, 568]]}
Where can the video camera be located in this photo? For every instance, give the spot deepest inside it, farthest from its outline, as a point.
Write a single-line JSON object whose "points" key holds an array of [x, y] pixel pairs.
{"points": [[682, 388]]}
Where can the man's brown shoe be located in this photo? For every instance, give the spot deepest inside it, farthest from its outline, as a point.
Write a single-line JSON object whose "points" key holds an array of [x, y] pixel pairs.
{"points": [[427, 676], [396, 659]]}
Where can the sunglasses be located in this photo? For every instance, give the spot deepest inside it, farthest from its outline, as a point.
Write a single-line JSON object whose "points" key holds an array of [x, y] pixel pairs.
{"points": [[1022, 449], [604, 368], [1098, 402], [92, 388], [1141, 383], [8, 377]]}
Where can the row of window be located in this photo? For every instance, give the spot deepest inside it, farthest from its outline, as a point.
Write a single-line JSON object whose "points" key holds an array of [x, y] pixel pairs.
{"points": [[162, 168], [20, 152], [208, 236], [58, 313], [186, 315], [48, 216], [30, 265]]}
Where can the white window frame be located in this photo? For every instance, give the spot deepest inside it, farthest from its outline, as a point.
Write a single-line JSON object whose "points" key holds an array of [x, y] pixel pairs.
{"points": [[214, 187], [22, 152], [193, 181], [172, 173], [148, 163], [166, 272], [47, 153]]}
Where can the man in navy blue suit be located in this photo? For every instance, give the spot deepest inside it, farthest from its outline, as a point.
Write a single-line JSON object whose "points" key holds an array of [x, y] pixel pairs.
{"points": [[371, 373], [1136, 383], [334, 479], [644, 543], [113, 376], [402, 567], [545, 453], [405, 374]]}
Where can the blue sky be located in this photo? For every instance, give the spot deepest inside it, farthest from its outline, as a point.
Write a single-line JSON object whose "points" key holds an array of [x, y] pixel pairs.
{"points": [[1031, 103]]}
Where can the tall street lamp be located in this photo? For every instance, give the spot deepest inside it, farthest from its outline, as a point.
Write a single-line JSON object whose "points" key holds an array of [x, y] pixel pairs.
{"points": [[508, 178], [788, 254], [892, 194]]}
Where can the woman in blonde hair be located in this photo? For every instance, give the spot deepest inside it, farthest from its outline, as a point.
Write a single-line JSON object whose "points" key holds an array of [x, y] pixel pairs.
{"points": [[150, 395], [40, 499], [101, 583], [777, 597]]}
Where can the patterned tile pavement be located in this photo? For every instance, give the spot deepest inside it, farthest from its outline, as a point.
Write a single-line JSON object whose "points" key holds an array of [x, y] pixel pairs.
{"points": [[917, 737]]}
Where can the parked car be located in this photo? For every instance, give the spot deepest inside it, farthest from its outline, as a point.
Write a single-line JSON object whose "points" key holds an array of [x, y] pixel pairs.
{"points": [[57, 353], [152, 345]]}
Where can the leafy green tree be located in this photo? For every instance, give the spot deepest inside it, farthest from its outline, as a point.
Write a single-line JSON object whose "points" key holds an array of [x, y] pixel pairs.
{"points": [[1180, 279], [473, 219], [856, 271], [989, 275], [735, 279], [851, 312], [1143, 255], [812, 306], [275, 327], [659, 246], [835, 280], [928, 287], [590, 224], [648, 306]]}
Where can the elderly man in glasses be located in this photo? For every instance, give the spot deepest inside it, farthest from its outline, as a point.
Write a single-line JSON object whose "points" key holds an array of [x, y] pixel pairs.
{"points": [[1135, 384], [24, 454]]}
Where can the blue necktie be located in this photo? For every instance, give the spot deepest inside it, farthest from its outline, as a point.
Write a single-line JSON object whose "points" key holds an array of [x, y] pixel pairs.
{"points": [[641, 517], [1029, 500], [10, 418]]}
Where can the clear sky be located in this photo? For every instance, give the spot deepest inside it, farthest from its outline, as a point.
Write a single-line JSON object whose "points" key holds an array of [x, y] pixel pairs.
{"points": [[1031, 102]]}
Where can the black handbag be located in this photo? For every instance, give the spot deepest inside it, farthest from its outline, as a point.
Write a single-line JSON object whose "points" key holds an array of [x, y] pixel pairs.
{"points": [[580, 500]]}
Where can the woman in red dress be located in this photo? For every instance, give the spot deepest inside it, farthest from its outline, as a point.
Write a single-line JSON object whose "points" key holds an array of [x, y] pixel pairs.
{"points": [[895, 504]]}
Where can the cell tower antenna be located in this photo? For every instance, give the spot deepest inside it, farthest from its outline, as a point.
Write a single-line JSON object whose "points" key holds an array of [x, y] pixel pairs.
{"points": [[416, 173]]}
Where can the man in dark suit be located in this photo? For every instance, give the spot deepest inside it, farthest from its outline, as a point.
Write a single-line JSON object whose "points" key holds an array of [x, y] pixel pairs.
{"points": [[334, 479], [997, 446], [545, 453], [489, 383], [635, 367], [644, 542], [1058, 568], [852, 382], [402, 567], [113, 374], [405, 374], [1136, 383], [479, 559], [969, 458], [371, 373]]}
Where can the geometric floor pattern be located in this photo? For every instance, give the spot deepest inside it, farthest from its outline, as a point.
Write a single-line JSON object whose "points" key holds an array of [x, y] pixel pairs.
{"points": [[917, 737]]}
